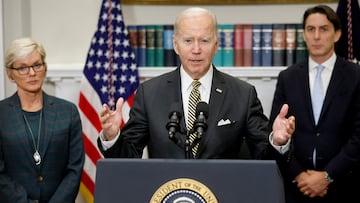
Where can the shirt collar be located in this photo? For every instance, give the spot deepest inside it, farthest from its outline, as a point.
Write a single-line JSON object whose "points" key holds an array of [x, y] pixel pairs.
{"points": [[328, 64], [205, 81]]}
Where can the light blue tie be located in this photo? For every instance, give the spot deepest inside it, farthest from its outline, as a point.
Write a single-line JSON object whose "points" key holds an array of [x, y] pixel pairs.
{"points": [[318, 94], [317, 100]]}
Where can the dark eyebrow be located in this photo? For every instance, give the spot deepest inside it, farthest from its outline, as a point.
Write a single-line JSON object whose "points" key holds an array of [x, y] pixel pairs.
{"points": [[325, 26]]}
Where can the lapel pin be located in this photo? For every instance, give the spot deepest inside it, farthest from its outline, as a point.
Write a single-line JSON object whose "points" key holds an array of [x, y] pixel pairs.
{"points": [[218, 90]]}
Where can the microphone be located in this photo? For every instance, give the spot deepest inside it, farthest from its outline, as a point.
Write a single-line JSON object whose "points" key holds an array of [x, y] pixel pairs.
{"points": [[174, 119], [200, 124]]}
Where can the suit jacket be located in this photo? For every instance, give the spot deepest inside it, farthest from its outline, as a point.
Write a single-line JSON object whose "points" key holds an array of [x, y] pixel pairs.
{"points": [[337, 135], [230, 98], [57, 178]]}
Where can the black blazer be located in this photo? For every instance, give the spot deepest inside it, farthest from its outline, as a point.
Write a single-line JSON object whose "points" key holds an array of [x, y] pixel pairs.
{"points": [[337, 135], [230, 98]]}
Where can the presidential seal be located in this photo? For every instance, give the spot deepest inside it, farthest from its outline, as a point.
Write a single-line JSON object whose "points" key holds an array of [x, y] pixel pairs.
{"points": [[183, 190]]}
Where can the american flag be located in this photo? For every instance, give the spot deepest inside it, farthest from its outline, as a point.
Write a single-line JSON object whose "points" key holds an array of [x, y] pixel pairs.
{"points": [[348, 45], [110, 72]]}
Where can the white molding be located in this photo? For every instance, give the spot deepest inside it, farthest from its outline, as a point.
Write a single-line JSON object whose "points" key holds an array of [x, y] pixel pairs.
{"points": [[74, 71]]}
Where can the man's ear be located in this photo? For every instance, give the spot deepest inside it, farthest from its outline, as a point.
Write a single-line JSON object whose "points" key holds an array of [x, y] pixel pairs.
{"points": [[337, 35], [175, 46]]}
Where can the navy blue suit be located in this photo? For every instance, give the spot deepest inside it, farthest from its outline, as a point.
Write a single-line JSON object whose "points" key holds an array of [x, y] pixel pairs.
{"points": [[337, 135]]}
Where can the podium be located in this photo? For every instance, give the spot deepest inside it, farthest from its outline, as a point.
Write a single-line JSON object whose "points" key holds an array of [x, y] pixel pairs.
{"points": [[184, 180]]}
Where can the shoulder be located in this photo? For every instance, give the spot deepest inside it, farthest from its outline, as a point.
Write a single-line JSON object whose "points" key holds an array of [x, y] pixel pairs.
{"points": [[171, 76], [5, 101], [295, 69], [229, 80], [57, 102], [12, 100], [341, 62], [303, 65]]}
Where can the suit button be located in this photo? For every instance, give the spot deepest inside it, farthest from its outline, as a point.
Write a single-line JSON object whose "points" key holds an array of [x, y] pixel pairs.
{"points": [[40, 178], [317, 134]]}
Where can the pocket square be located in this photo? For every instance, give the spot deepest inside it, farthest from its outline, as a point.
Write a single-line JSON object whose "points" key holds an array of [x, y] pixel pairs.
{"points": [[224, 122]]}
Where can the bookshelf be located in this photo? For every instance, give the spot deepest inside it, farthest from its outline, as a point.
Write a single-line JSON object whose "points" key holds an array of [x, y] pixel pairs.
{"points": [[240, 45]]}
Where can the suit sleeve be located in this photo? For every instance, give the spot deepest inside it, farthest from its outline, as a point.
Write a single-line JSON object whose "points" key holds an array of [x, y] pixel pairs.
{"points": [[347, 160], [10, 191], [289, 162], [258, 130], [132, 139]]}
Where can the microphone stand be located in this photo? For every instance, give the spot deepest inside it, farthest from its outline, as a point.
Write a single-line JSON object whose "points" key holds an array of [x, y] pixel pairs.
{"points": [[187, 146]]}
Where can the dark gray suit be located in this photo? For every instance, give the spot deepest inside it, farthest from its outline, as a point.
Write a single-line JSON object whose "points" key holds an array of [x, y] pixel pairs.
{"points": [[57, 178], [337, 135], [230, 98]]}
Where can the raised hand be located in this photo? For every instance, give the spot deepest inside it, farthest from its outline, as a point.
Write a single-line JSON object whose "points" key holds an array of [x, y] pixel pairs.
{"points": [[283, 127], [111, 119]]}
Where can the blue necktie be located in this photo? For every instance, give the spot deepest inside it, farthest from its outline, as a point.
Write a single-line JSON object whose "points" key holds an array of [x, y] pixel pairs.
{"points": [[318, 94], [317, 100]]}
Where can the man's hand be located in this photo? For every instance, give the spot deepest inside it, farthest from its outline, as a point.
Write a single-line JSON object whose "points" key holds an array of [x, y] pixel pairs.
{"points": [[283, 127], [111, 119], [312, 183]]}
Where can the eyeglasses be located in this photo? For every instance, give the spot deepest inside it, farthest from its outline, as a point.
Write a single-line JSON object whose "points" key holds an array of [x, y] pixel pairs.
{"points": [[24, 70]]}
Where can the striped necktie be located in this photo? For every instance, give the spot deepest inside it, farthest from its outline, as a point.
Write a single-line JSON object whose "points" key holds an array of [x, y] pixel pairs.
{"points": [[194, 99]]}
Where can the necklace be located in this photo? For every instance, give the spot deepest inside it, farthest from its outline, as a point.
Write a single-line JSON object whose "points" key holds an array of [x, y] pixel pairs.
{"points": [[36, 155]]}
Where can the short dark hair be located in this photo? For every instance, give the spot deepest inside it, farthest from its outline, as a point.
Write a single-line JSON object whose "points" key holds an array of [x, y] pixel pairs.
{"points": [[326, 10]]}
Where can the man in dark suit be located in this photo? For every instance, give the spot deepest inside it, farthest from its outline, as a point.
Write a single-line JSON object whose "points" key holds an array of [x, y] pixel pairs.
{"points": [[234, 108], [325, 152], [41, 146]]}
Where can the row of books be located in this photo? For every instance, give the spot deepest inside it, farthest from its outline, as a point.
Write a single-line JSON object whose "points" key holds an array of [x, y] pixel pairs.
{"points": [[239, 45], [153, 45]]}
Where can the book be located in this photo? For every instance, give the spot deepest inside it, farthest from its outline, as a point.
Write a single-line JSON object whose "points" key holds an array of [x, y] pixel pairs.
{"points": [[290, 44], [141, 46], [217, 59], [266, 45], [239, 45], [301, 51], [278, 44], [159, 45], [150, 45], [133, 38], [248, 39], [256, 45], [228, 48], [169, 53]]}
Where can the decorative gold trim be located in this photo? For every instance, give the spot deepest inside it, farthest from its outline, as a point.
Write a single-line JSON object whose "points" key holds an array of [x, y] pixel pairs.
{"points": [[221, 2], [183, 188]]}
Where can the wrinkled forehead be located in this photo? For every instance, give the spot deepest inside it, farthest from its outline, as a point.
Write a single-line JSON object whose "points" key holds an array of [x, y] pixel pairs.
{"points": [[196, 25]]}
